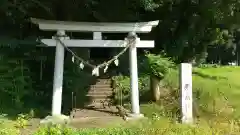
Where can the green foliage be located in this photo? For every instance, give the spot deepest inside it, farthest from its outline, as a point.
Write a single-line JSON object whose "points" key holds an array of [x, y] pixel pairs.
{"points": [[122, 87], [55, 130], [9, 131], [218, 91], [149, 5], [215, 94], [22, 120], [159, 65], [144, 127], [186, 31], [208, 66], [214, 91], [15, 80], [189, 27]]}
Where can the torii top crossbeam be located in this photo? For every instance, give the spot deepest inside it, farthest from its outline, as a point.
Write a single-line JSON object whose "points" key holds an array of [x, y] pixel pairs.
{"points": [[52, 25]]}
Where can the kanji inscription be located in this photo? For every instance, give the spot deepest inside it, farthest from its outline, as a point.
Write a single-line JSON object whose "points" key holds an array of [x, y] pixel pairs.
{"points": [[186, 92]]}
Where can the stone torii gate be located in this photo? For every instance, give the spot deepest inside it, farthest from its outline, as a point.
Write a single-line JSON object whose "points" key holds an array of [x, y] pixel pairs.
{"points": [[97, 28]]}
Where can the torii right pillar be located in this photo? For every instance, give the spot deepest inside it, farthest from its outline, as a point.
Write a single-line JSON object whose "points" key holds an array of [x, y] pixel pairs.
{"points": [[134, 76]]}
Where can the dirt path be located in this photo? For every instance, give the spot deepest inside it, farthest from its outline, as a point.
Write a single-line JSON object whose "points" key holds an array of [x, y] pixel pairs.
{"points": [[95, 118], [85, 118]]}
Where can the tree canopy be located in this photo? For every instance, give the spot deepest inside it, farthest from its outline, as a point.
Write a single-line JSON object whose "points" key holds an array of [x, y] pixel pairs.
{"points": [[185, 25]]}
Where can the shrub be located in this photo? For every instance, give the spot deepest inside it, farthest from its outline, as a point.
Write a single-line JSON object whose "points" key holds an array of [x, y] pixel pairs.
{"points": [[158, 65], [22, 120], [55, 130], [208, 66], [122, 87]]}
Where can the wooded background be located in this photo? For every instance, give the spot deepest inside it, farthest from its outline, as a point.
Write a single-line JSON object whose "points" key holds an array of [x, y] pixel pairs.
{"points": [[198, 31]]}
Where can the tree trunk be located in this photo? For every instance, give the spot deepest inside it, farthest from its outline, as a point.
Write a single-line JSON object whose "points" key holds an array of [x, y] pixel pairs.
{"points": [[155, 88]]}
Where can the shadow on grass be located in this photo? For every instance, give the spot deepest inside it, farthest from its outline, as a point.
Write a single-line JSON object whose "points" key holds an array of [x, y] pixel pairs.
{"points": [[211, 77]]}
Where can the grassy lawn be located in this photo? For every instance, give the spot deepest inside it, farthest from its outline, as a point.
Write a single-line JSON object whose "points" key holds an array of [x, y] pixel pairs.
{"points": [[216, 100], [216, 108], [219, 90]]}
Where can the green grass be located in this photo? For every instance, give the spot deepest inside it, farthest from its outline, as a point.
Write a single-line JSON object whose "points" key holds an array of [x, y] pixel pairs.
{"points": [[216, 98], [219, 90], [7, 127]]}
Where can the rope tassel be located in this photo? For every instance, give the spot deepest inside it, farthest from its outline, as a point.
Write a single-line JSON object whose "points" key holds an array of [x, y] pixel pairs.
{"points": [[105, 69], [95, 71], [116, 62], [73, 59], [81, 65]]}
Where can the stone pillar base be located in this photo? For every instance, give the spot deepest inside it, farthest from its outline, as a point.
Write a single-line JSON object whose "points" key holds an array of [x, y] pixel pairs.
{"points": [[55, 119], [187, 120], [132, 116]]}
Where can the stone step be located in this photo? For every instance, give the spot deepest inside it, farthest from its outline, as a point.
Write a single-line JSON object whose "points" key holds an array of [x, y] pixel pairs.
{"points": [[100, 86], [99, 97], [97, 105], [100, 100], [100, 90], [103, 81], [100, 93]]}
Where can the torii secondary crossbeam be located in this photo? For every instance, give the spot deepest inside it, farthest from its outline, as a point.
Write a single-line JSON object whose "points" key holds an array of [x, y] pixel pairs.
{"points": [[61, 27]]}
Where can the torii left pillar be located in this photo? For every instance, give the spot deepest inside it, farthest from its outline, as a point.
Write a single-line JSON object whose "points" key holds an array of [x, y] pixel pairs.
{"points": [[58, 74]]}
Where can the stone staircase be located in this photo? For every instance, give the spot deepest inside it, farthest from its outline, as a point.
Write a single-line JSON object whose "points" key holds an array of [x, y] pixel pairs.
{"points": [[100, 94]]}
